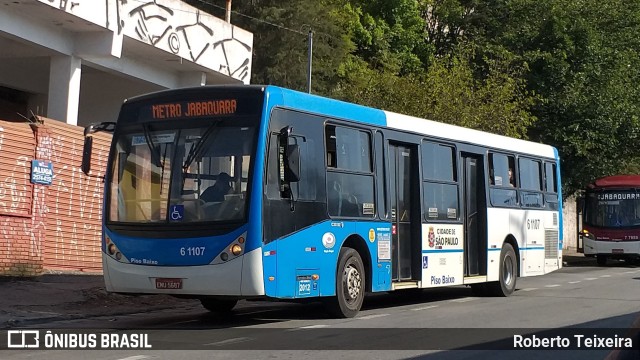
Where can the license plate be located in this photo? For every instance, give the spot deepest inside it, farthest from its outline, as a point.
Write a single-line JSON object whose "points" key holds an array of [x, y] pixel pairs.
{"points": [[168, 283], [617, 251]]}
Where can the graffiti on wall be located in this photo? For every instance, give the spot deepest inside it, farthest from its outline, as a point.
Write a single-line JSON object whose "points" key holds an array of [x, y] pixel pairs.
{"points": [[172, 26], [18, 223], [65, 4], [75, 195], [60, 223], [160, 26], [14, 184]]}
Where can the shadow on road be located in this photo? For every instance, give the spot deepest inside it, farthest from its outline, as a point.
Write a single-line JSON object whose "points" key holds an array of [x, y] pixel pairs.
{"points": [[579, 260]]}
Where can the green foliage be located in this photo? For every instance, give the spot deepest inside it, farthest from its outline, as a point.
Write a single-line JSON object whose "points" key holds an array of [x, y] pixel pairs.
{"points": [[280, 29], [447, 92], [388, 35], [563, 72], [581, 59]]}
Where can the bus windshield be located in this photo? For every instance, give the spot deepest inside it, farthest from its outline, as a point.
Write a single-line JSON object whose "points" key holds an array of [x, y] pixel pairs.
{"points": [[612, 208], [196, 171]]}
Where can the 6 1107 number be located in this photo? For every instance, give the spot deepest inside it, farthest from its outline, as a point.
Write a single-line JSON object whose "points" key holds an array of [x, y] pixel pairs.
{"points": [[192, 251]]}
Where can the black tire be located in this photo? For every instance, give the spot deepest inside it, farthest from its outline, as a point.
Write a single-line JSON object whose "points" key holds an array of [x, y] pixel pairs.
{"points": [[601, 260], [508, 273], [350, 281], [218, 306]]}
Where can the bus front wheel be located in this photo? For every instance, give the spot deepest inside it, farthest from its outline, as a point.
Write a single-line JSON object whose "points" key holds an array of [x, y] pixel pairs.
{"points": [[508, 273], [350, 282], [218, 306]]}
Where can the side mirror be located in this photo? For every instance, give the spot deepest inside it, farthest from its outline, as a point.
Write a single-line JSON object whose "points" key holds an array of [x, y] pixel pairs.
{"points": [[86, 154], [292, 164], [106, 126], [289, 156]]}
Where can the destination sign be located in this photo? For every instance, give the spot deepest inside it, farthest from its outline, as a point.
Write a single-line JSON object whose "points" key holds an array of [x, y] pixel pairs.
{"points": [[619, 196], [194, 109]]}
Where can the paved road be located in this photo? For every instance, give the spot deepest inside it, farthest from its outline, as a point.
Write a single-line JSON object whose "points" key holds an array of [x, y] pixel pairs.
{"points": [[391, 326]]}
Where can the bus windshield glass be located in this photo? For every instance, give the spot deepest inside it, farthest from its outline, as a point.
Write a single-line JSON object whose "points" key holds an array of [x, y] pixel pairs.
{"points": [[620, 208], [191, 171]]}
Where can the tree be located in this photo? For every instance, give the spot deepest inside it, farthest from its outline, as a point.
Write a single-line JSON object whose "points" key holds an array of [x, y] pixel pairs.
{"points": [[447, 92], [280, 44], [580, 59], [389, 35]]}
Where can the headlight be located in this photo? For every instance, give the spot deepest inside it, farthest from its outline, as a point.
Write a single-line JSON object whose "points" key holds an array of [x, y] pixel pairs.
{"points": [[236, 249], [587, 234]]}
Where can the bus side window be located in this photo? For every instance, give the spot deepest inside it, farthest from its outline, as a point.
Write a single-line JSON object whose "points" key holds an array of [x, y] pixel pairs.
{"points": [[503, 191], [440, 188], [551, 185], [530, 175], [350, 191]]}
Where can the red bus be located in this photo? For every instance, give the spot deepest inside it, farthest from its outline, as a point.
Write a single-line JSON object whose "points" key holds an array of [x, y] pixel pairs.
{"points": [[611, 218]]}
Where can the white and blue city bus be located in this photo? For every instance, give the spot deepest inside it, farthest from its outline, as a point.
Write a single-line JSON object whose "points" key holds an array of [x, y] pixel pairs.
{"points": [[224, 193]]}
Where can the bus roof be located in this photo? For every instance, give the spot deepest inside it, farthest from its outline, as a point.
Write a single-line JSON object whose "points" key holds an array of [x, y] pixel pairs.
{"points": [[278, 96], [616, 181], [459, 133]]}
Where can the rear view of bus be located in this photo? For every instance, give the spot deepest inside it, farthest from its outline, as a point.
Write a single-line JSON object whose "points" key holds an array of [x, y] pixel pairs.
{"points": [[611, 218], [178, 193]]}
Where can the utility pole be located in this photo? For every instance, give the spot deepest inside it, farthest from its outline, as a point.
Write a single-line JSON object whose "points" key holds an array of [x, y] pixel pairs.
{"points": [[228, 12], [309, 60]]}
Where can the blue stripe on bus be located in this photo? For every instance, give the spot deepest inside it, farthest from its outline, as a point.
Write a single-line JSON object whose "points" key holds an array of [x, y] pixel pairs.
{"points": [[559, 186], [303, 254], [167, 252], [521, 249], [442, 251]]}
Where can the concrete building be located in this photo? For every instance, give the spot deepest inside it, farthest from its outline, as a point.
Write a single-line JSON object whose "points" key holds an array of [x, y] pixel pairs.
{"points": [[76, 61]]}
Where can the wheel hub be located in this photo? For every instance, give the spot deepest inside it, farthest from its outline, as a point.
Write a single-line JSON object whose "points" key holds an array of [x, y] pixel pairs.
{"points": [[352, 282], [508, 270]]}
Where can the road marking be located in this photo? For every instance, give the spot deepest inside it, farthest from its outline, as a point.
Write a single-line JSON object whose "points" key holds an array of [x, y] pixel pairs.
{"points": [[135, 357], [574, 282], [605, 276], [424, 308], [591, 279], [313, 327], [228, 341], [552, 285], [528, 289], [463, 300], [371, 316]]}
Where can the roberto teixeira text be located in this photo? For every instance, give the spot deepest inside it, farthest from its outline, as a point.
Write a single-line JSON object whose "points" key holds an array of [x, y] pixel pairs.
{"points": [[574, 341], [41, 339]]}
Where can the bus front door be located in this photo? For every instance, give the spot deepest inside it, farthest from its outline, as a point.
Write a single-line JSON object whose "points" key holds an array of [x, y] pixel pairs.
{"points": [[475, 238], [405, 228]]}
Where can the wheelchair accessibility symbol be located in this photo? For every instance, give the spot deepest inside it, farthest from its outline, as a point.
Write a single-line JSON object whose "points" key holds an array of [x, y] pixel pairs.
{"points": [[176, 212]]}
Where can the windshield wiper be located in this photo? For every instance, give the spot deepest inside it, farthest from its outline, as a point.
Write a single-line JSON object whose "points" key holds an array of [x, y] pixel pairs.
{"points": [[155, 157], [196, 149]]}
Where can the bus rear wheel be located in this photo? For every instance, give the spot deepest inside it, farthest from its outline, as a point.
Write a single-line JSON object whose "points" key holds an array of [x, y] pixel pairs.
{"points": [[350, 282], [508, 273], [218, 306]]}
